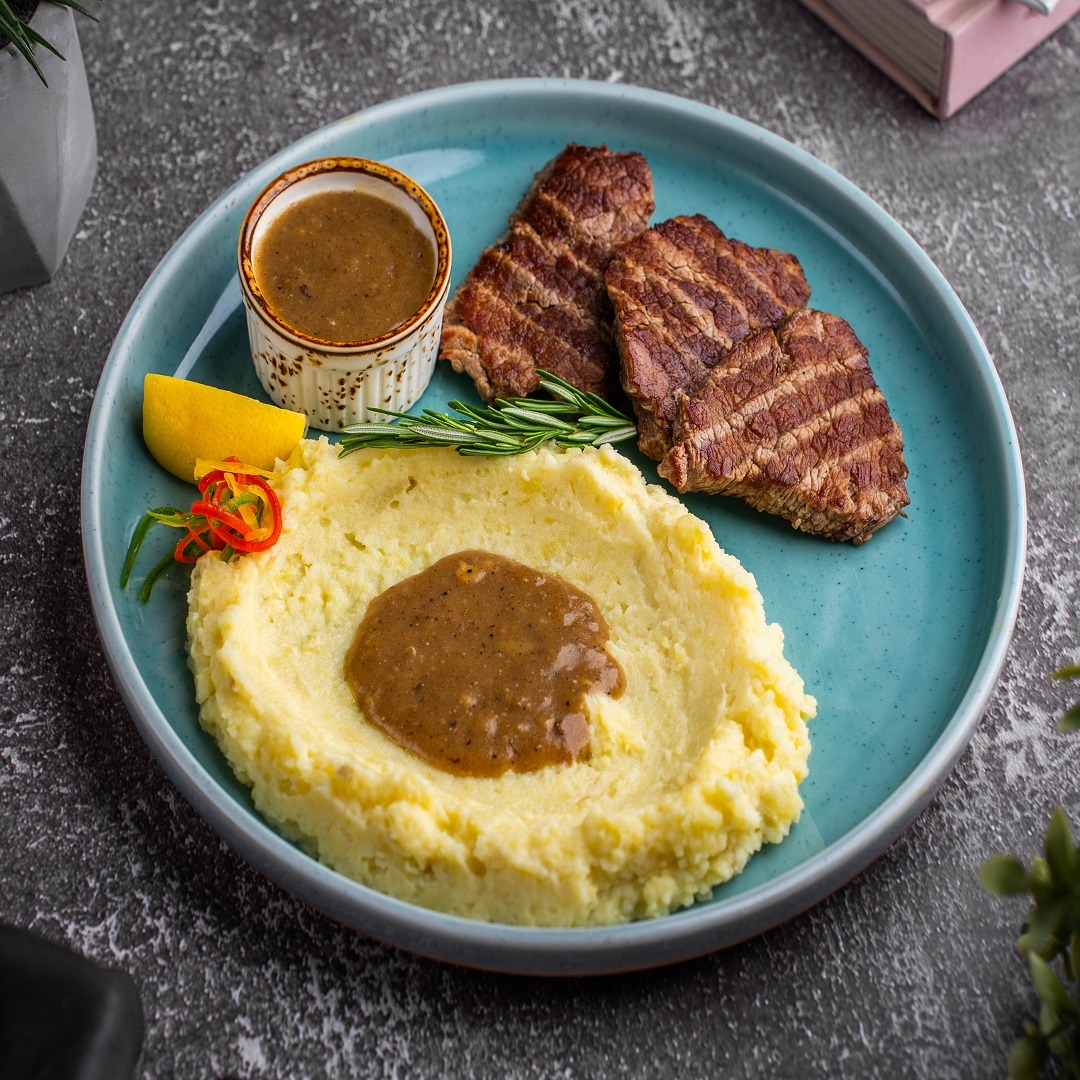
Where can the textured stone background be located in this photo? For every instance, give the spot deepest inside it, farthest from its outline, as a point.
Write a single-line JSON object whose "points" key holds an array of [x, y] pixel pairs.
{"points": [[909, 970]]}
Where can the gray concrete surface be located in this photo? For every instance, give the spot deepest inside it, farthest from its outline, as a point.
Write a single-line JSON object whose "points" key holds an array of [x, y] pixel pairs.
{"points": [[907, 971]]}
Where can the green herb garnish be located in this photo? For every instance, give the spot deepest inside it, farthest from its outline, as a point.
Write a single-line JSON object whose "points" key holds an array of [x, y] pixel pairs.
{"points": [[510, 426]]}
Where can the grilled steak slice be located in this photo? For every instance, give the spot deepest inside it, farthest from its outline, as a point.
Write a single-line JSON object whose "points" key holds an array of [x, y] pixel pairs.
{"points": [[684, 294], [536, 298], [794, 423]]}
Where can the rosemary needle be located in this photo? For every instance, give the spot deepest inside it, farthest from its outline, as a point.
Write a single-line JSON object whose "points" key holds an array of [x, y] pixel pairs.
{"points": [[509, 426]]}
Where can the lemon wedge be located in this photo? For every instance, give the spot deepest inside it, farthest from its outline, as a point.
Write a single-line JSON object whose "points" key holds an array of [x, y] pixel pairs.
{"points": [[184, 421]]}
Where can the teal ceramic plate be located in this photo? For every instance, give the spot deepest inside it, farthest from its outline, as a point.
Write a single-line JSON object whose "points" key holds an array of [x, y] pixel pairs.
{"points": [[901, 640]]}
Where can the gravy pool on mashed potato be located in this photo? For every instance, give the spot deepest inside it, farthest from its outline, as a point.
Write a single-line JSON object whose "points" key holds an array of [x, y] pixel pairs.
{"points": [[691, 769]]}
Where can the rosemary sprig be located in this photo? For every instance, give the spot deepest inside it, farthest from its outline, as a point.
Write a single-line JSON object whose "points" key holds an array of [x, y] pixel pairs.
{"points": [[510, 426]]}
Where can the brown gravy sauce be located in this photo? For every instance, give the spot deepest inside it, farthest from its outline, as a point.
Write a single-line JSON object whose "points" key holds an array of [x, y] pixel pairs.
{"points": [[480, 664], [344, 266]]}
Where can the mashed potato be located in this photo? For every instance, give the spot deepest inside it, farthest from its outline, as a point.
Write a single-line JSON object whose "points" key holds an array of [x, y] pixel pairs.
{"points": [[692, 768]]}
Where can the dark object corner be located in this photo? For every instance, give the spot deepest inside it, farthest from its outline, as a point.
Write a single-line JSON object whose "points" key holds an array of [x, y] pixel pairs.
{"points": [[63, 1016]]}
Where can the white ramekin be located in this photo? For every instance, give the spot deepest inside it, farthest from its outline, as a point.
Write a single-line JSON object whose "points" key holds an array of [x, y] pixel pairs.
{"points": [[336, 383]]}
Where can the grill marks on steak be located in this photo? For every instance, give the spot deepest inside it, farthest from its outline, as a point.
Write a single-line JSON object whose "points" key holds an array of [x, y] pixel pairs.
{"points": [[536, 298], [684, 294], [740, 390], [793, 422], [737, 387]]}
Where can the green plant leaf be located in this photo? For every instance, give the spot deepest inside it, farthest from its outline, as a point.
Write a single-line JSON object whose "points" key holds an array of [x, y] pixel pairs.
{"points": [[1061, 855], [1044, 890], [1049, 987], [1071, 720], [77, 7], [1026, 1057], [1004, 875], [1070, 671], [15, 29], [24, 37], [1049, 1020], [1025, 944], [1052, 927], [1070, 917], [37, 39], [1062, 1045], [1045, 927]]}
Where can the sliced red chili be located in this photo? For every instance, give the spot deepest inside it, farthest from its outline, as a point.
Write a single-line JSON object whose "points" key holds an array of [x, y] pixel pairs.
{"points": [[230, 517], [223, 517], [275, 511], [180, 552]]}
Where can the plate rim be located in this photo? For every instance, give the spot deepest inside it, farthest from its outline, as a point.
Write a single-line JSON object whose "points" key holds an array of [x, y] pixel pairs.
{"points": [[501, 947]]}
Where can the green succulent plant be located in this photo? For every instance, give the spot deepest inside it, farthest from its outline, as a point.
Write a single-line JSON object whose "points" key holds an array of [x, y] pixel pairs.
{"points": [[1071, 720], [1051, 938], [18, 32]]}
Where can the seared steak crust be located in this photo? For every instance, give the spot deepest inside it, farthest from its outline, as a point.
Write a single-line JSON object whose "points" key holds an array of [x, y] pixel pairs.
{"points": [[536, 298], [684, 294], [794, 423]]}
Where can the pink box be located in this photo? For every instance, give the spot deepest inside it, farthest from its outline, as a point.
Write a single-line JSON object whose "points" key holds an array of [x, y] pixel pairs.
{"points": [[979, 40]]}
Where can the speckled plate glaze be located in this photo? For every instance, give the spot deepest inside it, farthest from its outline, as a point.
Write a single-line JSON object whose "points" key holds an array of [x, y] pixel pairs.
{"points": [[901, 640]]}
